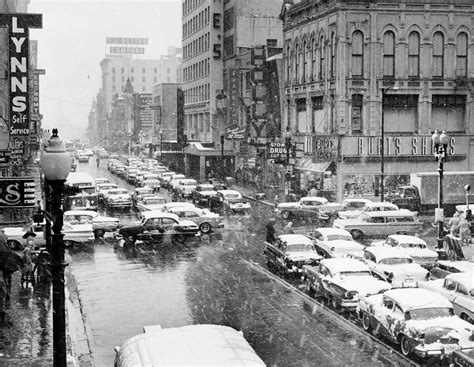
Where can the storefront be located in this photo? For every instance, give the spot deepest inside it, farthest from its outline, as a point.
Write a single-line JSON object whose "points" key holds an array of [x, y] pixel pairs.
{"points": [[202, 160]]}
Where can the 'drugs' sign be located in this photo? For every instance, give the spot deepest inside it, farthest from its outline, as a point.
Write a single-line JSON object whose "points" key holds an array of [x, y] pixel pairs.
{"points": [[18, 41]]}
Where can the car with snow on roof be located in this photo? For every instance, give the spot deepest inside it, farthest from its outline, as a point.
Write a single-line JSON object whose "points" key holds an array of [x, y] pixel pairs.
{"points": [[201, 194], [102, 188], [185, 187], [335, 242], [229, 201], [204, 218], [368, 207], [289, 253], [147, 203], [340, 281], [414, 246], [394, 265], [458, 288], [421, 321], [308, 206], [100, 223], [117, 199]]}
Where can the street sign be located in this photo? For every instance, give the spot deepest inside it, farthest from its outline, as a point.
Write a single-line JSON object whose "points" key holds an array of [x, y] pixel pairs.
{"points": [[17, 192]]}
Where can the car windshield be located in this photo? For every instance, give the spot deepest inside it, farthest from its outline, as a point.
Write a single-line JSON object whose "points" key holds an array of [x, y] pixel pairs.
{"points": [[87, 190], [299, 247], [396, 260], [413, 245], [78, 219], [233, 196], [189, 183], [430, 313], [355, 273], [339, 237], [118, 192]]}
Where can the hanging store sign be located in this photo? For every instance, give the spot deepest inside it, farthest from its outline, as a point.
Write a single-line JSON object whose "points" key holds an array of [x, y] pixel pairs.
{"points": [[324, 148], [17, 192], [145, 112], [277, 151]]}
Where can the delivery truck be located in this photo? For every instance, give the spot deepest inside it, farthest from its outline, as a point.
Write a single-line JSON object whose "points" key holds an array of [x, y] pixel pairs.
{"points": [[421, 194]]}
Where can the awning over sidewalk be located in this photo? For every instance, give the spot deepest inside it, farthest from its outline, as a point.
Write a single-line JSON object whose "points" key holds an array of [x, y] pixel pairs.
{"points": [[306, 164], [199, 149]]}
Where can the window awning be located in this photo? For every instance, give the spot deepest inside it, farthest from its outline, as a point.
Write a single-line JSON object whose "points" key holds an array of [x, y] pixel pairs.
{"points": [[306, 164]]}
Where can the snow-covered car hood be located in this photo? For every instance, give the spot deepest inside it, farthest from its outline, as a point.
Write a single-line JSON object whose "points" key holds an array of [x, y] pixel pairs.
{"points": [[364, 285], [287, 205], [347, 222], [402, 271], [439, 327], [152, 206], [120, 197], [349, 214], [303, 255], [104, 219], [187, 223], [207, 193], [421, 252]]}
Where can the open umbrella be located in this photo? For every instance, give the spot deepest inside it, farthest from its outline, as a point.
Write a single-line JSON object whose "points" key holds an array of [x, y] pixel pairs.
{"points": [[29, 234]]}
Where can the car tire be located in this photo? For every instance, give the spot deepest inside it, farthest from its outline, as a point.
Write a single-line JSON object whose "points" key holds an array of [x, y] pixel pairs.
{"points": [[406, 345], [205, 228], [309, 288], [356, 234], [285, 214], [366, 322], [99, 233], [180, 238]]}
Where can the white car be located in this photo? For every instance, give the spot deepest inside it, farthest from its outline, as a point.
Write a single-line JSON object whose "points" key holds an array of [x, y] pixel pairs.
{"points": [[342, 281], [148, 203], [174, 182], [204, 218], [421, 321], [394, 266], [229, 201], [100, 223], [102, 189], [458, 288], [118, 198], [305, 206], [368, 207], [185, 187], [335, 242], [414, 246]]}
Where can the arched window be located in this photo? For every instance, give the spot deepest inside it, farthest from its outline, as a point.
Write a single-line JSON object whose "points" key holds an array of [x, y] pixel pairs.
{"points": [[414, 54], [389, 54], [357, 54], [288, 63], [333, 55], [313, 58], [438, 55], [321, 58], [461, 55], [305, 62], [296, 68], [317, 58]]}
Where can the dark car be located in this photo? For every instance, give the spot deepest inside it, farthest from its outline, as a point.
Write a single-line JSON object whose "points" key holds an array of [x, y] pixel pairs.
{"points": [[229, 201], [463, 358], [289, 253], [201, 194]]}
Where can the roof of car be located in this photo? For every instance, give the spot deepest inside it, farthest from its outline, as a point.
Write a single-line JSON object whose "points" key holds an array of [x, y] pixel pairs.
{"points": [[175, 204], [159, 214], [189, 180], [392, 213], [466, 279], [331, 230], [337, 265], [227, 192], [291, 239], [383, 252], [413, 298], [358, 200], [378, 204], [461, 265], [314, 198], [81, 212], [402, 238]]}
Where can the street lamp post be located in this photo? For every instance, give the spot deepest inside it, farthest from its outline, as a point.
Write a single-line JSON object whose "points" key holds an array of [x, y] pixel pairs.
{"points": [[287, 137], [161, 145], [55, 164], [467, 188], [141, 143], [222, 156], [440, 144]]}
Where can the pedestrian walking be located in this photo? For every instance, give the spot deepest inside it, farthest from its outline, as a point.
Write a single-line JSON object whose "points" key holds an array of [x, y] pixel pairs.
{"points": [[26, 271], [454, 224], [97, 160], [313, 192], [270, 227], [289, 228], [464, 231], [276, 199]]}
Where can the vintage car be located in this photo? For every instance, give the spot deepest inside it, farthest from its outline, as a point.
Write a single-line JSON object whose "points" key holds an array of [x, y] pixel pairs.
{"points": [[368, 207], [414, 246], [159, 223], [101, 180], [117, 199], [83, 158], [335, 242], [463, 359], [229, 201], [289, 253], [146, 203], [307, 206], [420, 320], [72, 234], [165, 177], [152, 183], [147, 178], [381, 224], [174, 182], [394, 265], [458, 288], [201, 194], [185, 187], [100, 223], [141, 192], [131, 176], [445, 267], [204, 218], [102, 189], [352, 205], [341, 282]]}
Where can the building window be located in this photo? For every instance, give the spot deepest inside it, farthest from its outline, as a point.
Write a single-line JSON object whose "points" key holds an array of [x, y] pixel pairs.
{"points": [[333, 55], [414, 54], [295, 61], [143, 79], [357, 54], [288, 63], [448, 112], [461, 55], [131, 70], [400, 113], [389, 54], [123, 70], [318, 115], [143, 89], [438, 55], [305, 62], [321, 58], [155, 70], [272, 42], [228, 19], [313, 58], [155, 79], [301, 122], [143, 70], [113, 70], [356, 113]]}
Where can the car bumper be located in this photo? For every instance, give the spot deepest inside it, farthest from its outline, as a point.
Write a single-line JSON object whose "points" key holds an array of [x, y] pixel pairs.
{"points": [[119, 205], [447, 351]]}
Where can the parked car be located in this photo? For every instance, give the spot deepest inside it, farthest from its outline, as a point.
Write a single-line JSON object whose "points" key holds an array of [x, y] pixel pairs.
{"points": [[101, 180], [230, 201], [307, 206], [204, 218], [394, 265], [83, 158], [421, 321], [140, 192], [185, 187], [289, 253], [414, 246], [100, 223], [147, 177], [445, 267], [147, 203], [118, 199], [463, 358], [368, 207], [102, 189], [173, 183], [381, 224], [353, 205], [458, 288], [131, 175], [164, 178], [335, 242], [159, 223], [201, 194], [342, 281]]}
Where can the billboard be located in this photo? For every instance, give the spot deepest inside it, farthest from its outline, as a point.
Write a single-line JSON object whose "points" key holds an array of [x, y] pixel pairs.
{"points": [[145, 111], [126, 41], [17, 192]]}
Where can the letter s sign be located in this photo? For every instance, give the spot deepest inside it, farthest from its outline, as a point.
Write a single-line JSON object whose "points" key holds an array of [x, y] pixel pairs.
{"points": [[217, 51]]}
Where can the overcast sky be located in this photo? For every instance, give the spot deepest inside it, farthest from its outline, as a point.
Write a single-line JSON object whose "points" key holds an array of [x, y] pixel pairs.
{"points": [[71, 45]]}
